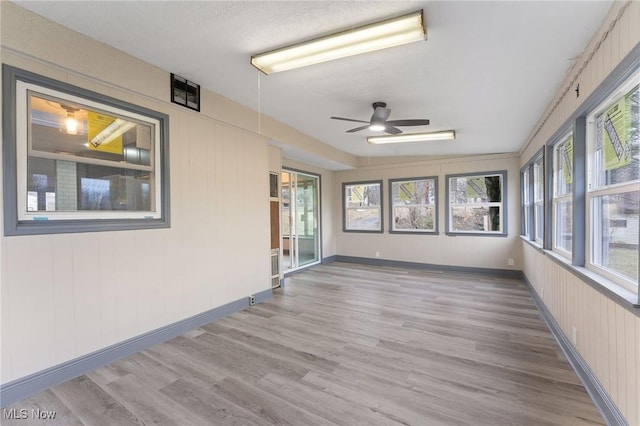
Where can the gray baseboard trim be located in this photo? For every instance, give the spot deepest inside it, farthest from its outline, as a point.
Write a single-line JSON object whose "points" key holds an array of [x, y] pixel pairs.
{"points": [[261, 296], [329, 259], [608, 409], [428, 266], [26, 386]]}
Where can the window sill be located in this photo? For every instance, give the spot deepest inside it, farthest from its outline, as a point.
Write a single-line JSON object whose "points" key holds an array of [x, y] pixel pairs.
{"points": [[533, 244], [37, 227], [622, 296], [414, 232], [475, 234], [364, 231]]}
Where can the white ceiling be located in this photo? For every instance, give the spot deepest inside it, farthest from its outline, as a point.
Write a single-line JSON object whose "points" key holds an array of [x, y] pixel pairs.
{"points": [[487, 69]]}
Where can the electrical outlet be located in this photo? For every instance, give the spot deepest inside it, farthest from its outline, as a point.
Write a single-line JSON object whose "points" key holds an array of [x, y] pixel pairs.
{"points": [[252, 300], [510, 261], [574, 335], [377, 254]]}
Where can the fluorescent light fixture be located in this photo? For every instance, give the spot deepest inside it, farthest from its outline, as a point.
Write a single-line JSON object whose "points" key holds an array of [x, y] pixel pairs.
{"points": [[112, 131], [413, 137], [380, 35]]}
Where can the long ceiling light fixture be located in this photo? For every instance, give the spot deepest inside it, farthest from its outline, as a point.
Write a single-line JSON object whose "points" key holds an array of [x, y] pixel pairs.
{"points": [[112, 131], [413, 137], [380, 35]]}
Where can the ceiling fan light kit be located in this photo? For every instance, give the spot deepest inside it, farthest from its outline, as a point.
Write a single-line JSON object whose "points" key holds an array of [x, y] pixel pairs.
{"points": [[413, 137], [379, 35]]}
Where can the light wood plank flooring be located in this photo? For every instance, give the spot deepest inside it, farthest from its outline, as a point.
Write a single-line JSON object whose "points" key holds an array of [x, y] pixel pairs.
{"points": [[349, 345]]}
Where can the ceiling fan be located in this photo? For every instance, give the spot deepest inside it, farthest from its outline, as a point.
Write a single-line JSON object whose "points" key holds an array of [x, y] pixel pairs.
{"points": [[379, 121]]}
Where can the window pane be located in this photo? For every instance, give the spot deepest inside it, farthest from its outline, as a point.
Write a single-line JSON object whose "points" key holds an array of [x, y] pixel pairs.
{"points": [[525, 186], [414, 218], [563, 217], [562, 202], [563, 171], [364, 218], [539, 222], [362, 207], [67, 186], [615, 155], [475, 189], [475, 219], [413, 205], [64, 128], [615, 233]]}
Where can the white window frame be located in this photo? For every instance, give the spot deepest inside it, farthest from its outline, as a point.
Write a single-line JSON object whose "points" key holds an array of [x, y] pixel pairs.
{"points": [[558, 197], [538, 200], [24, 150], [594, 192], [502, 232]]}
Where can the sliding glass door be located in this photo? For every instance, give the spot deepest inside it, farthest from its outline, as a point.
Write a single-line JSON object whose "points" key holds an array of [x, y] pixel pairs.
{"points": [[300, 219]]}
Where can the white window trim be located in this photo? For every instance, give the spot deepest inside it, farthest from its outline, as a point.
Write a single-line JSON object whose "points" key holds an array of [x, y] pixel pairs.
{"points": [[501, 204], [538, 170], [23, 150], [526, 201], [592, 193], [434, 206], [559, 198], [346, 209]]}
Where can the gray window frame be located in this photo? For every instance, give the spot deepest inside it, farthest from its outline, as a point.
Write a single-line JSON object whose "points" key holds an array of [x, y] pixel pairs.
{"points": [[504, 207], [436, 208], [344, 206], [12, 225]]}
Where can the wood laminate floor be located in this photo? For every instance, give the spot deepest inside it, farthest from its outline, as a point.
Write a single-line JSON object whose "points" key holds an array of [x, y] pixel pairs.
{"points": [[349, 345]]}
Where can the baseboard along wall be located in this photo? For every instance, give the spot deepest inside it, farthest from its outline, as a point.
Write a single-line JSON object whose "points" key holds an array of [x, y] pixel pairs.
{"points": [[608, 409], [510, 273], [26, 386]]}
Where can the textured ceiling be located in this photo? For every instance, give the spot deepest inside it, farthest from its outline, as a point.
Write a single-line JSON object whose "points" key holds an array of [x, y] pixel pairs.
{"points": [[487, 70]]}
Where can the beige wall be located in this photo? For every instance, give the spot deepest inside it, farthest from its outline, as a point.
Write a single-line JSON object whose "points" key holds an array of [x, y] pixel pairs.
{"points": [[608, 335], [64, 296], [469, 251]]}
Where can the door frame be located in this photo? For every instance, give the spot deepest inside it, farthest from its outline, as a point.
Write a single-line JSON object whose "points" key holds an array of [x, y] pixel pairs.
{"points": [[319, 212]]}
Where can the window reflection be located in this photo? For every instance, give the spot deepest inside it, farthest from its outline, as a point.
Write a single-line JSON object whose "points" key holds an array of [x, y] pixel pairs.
{"points": [[81, 158]]}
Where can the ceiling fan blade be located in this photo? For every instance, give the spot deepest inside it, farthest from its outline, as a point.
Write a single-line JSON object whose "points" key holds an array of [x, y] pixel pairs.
{"points": [[349, 119], [392, 130], [416, 122], [357, 129]]}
